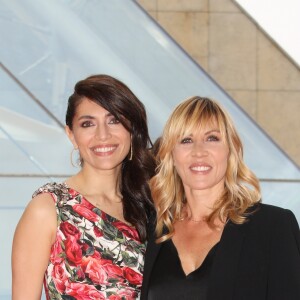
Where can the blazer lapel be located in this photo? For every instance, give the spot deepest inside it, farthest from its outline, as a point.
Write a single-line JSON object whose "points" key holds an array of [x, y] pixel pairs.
{"points": [[151, 254], [225, 266]]}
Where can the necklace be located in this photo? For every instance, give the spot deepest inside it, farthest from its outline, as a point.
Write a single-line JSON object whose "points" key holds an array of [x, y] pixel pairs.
{"points": [[191, 219], [196, 221]]}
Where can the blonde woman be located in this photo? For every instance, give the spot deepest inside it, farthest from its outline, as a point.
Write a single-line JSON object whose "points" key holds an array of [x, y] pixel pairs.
{"points": [[214, 239]]}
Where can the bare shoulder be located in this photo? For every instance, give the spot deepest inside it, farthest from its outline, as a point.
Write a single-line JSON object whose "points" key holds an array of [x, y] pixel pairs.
{"points": [[40, 214], [41, 206]]}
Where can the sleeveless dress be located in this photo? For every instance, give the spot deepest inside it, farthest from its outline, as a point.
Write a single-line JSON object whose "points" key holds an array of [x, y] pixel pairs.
{"points": [[94, 256]]}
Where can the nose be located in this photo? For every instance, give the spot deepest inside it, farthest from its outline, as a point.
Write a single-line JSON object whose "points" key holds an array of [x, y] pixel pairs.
{"points": [[103, 132], [199, 149]]}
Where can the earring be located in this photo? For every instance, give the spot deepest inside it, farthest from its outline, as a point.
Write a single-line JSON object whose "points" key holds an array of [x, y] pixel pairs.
{"points": [[78, 162], [130, 156]]}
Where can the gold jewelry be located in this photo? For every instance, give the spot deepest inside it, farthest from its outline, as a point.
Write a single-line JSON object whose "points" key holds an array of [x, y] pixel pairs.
{"points": [[191, 219], [196, 221], [130, 156], [78, 161]]}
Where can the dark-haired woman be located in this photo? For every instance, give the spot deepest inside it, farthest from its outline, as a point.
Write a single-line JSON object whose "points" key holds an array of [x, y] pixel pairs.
{"points": [[85, 238]]}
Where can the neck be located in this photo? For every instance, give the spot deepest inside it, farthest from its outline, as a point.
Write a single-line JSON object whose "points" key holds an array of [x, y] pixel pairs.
{"points": [[100, 184], [200, 204]]}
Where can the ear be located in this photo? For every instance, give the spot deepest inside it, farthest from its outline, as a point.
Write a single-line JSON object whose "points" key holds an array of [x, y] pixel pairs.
{"points": [[71, 137]]}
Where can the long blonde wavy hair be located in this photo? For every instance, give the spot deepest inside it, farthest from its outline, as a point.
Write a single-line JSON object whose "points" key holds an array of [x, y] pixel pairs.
{"points": [[241, 188]]}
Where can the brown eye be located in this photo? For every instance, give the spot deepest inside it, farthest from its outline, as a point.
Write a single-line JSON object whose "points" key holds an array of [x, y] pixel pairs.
{"points": [[186, 140], [86, 124], [114, 121], [213, 138]]}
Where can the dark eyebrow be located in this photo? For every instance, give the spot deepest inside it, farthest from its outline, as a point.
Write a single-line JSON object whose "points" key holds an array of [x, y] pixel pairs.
{"points": [[89, 117], [86, 117]]}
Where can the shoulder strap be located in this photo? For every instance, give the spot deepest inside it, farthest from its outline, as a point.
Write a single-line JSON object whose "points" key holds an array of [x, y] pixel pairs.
{"points": [[59, 190]]}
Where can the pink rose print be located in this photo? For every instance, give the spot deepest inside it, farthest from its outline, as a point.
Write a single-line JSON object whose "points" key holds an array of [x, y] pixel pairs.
{"points": [[69, 229], [128, 294], [85, 247], [79, 273], [114, 297], [113, 271], [73, 251], [96, 255], [83, 292], [56, 251], [98, 232], [87, 204], [60, 278], [132, 276], [130, 232], [86, 212], [93, 268]]}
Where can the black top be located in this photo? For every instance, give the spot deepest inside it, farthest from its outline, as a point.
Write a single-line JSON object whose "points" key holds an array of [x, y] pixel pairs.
{"points": [[256, 260], [168, 280]]}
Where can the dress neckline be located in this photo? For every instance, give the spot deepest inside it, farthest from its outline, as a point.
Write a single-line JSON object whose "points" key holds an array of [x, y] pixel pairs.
{"points": [[95, 207]]}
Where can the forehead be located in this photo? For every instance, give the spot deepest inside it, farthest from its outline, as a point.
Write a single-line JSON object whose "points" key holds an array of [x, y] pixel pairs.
{"points": [[87, 106], [204, 126]]}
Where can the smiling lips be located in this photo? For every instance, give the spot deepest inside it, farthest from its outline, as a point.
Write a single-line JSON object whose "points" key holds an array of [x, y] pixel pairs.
{"points": [[104, 150], [200, 168]]}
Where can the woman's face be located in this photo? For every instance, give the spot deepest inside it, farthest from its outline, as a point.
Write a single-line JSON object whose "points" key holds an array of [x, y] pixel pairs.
{"points": [[103, 141], [200, 159]]}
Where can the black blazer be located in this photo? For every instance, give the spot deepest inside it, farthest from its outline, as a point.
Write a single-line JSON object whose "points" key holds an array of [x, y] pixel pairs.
{"points": [[258, 260]]}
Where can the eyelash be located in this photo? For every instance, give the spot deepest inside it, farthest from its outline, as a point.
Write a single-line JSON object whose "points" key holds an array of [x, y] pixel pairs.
{"points": [[186, 141], [86, 124], [213, 138], [210, 138], [114, 121]]}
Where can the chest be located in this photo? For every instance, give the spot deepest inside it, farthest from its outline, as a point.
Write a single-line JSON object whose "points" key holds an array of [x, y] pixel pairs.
{"points": [[193, 245]]}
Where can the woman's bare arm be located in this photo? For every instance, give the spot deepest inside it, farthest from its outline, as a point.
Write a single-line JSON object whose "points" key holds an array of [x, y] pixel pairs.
{"points": [[34, 235]]}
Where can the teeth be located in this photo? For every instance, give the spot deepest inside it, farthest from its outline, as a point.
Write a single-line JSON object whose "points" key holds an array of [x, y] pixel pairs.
{"points": [[200, 168], [104, 149]]}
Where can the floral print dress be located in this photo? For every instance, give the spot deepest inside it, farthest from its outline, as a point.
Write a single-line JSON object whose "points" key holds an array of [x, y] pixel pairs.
{"points": [[94, 256]]}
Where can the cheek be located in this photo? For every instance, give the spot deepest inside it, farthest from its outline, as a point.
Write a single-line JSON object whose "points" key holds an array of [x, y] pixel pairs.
{"points": [[127, 140], [176, 157], [174, 162], [178, 166], [223, 154], [223, 159], [81, 139]]}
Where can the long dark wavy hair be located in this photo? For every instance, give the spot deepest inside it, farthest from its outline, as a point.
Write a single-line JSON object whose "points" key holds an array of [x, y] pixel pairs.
{"points": [[119, 100]]}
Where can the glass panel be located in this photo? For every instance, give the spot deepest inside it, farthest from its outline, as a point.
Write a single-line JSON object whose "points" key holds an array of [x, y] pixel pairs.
{"points": [[29, 136], [14, 99], [275, 193], [31, 147]]}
